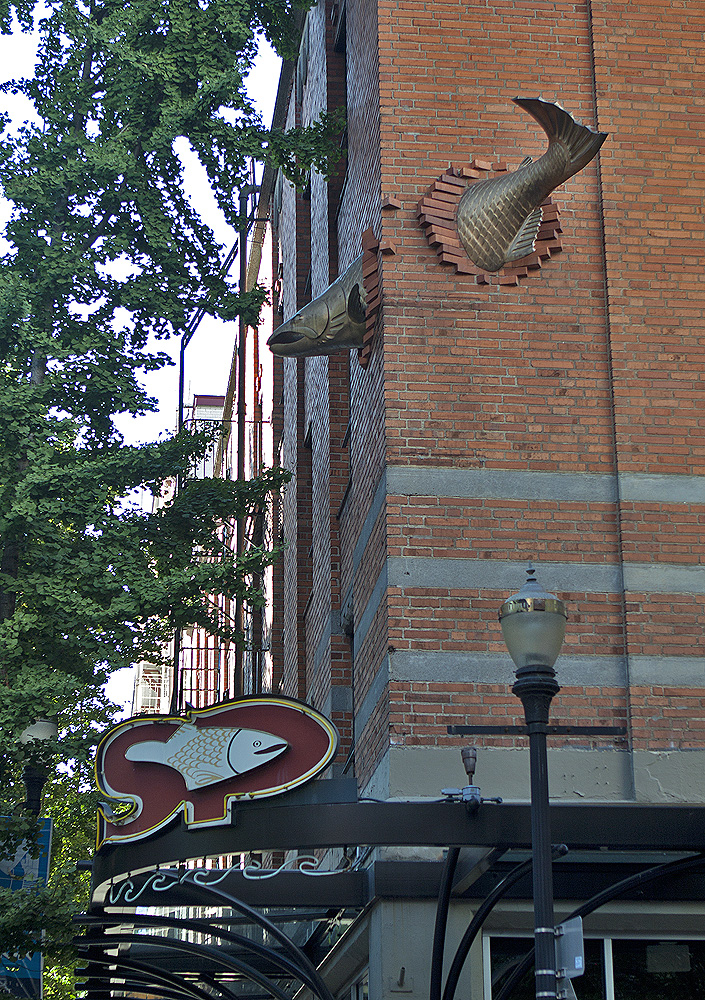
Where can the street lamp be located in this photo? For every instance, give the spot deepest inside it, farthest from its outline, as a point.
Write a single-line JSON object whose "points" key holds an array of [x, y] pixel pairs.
{"points": [[36, 774], [533, 626]]}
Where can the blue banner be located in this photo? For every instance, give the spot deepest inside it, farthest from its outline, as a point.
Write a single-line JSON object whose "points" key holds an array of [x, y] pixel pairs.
{"points": [[23, 976]]}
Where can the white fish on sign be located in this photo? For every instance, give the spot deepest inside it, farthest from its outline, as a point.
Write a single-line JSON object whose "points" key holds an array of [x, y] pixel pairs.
{"points": [[205, 755]]}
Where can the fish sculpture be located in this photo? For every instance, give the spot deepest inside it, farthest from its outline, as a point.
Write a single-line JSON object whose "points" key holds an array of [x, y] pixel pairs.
{"points": [[335, 321], [498, 219], [205, 756]]}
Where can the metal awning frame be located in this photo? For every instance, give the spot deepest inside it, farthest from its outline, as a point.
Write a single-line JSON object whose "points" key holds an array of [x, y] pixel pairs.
{"points": [[126, 875], [616, 826]]}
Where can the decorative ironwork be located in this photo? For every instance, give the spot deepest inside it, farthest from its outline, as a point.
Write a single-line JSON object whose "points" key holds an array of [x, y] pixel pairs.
{"points": [[218, 960], [594, 903], [162, 880], [128, 891], [631, 825], [498, 220], [154, 954], [307, 864], [280, 963], [307, 972]]}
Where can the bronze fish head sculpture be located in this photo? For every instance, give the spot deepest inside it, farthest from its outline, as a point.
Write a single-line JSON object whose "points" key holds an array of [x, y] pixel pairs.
{"points": [[498, 219], [335, 321]]}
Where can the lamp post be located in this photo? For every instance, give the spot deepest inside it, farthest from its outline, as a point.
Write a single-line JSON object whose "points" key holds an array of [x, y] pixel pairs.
{"points": [[533, 626], [36, 774]]}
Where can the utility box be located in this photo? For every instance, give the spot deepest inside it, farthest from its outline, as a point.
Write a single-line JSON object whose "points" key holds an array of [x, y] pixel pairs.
{"points": [[570, 954]]}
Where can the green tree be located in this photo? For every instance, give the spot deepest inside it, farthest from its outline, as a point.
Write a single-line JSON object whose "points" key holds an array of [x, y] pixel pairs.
{"points": [[105, 255]]}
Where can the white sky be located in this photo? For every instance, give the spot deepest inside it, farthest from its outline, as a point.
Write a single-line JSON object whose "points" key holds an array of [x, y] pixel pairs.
{"points": [[208, 356]]}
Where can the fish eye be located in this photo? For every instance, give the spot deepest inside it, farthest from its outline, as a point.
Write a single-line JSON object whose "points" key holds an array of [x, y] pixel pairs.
{"points": [[257, 743]]}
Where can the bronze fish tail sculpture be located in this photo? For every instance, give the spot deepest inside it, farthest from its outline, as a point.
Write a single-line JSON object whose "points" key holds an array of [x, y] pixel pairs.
{"points": [[335, 321], [498, 219]]}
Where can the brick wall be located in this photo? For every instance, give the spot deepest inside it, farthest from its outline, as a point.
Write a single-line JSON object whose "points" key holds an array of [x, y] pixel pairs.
{"points": [[559, 419], [294, 240], [315, 418], [544, 378], [648, 68]]}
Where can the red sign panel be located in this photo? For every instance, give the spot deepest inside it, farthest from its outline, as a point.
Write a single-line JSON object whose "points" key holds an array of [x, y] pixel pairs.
{"points": [[237, 751]]}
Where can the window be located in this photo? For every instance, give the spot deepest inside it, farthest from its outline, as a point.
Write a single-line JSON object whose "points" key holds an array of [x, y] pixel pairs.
{"points": [[615, 968], [302, 64], [152, 688], [359, 990]]}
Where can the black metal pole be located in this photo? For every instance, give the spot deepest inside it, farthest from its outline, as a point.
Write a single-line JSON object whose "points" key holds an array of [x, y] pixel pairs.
{"points": [[35, 777], [536, 686], [481, 914], [239, 679], [439, 935]]}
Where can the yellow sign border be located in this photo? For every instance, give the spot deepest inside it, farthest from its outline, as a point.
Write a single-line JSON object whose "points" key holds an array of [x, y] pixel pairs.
{"points": [[185, 805]]}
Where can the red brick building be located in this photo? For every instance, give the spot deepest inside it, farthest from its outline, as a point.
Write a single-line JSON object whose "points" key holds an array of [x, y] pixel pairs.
{"points": [[554, 411]]}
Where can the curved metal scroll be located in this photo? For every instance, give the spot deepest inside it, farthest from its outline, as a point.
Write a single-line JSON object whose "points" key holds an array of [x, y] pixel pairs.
{"points": [[292, 961], [186, 947], [278, 935], [203, 926], [439, 933], [147, 975], [476, 923], [161, 881]]}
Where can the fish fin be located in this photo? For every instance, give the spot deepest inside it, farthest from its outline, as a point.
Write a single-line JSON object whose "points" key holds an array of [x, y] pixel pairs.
{"points": [[203, 778], [525, 162], [523, 242], [148, 751], [580, 141]]}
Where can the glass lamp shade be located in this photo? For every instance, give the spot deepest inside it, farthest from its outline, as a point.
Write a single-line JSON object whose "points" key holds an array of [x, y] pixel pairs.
{"points": [[533, 624], [42, 729]]}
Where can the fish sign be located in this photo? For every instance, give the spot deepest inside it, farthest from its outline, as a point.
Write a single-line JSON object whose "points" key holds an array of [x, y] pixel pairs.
{"points": [[154, 768]]}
